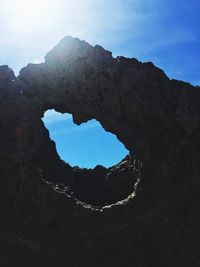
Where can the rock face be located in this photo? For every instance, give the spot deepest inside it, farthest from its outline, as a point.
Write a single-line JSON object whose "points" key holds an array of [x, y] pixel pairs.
{"points": [[143, 211]]}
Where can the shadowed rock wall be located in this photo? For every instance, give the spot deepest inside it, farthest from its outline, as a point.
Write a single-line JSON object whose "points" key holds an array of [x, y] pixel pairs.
{"points": [[56, 215]]}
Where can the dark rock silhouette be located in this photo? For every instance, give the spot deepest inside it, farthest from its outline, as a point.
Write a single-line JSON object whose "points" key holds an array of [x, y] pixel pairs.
{"points": [[143, 211]]}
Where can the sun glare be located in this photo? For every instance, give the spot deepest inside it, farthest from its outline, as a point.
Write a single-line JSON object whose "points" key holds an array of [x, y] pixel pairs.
{"points": [[26, 20], [26, 15]]}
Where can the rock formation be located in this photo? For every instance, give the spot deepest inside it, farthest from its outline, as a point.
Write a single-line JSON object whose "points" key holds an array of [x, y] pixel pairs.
{"points": [[143, 211]]}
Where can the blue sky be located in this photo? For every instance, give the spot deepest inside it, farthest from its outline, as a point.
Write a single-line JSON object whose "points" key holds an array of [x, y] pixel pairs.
{"points": [[165, 32], [86, 145]]}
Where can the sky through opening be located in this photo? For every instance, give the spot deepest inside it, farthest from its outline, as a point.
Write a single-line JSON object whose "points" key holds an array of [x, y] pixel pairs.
{"points": [[86, 145]]}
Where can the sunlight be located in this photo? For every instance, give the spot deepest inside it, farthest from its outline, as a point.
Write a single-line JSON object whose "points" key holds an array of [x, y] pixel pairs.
{"points": [[27, 15]]}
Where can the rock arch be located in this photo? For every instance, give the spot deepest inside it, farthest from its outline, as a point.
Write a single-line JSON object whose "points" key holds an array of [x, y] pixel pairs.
{"points": [[156, 118]]}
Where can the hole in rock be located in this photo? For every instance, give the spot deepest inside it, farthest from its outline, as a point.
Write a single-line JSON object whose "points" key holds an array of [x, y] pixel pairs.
{"points": [[87, 145]]}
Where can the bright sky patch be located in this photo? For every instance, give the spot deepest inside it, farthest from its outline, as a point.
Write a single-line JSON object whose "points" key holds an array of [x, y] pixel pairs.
{"points": [[86, 145]]}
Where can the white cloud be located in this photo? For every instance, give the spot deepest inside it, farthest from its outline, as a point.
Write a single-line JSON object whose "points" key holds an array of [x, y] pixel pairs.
{"points": [[51, 116], [36, 61]]}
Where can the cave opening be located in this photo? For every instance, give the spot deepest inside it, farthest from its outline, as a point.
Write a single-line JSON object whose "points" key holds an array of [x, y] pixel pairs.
{"points": [[87, 145], [98, 170]]}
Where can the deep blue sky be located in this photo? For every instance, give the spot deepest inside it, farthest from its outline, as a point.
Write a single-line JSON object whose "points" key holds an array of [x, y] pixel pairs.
{"points": [[165, 32]]}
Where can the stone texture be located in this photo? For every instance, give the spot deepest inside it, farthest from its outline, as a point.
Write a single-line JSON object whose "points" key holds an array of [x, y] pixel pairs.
{"points": [[56, 215]]}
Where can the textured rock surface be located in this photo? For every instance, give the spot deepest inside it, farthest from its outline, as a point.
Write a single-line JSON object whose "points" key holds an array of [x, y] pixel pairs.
{"points": [[44, 220]]}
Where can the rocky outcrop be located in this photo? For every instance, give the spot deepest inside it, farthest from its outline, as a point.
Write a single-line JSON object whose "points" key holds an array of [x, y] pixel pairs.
{"points": [[143, 211]]}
